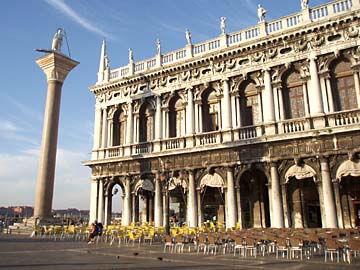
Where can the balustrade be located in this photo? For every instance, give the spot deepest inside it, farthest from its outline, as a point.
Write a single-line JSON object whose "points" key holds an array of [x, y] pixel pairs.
{"points": [[173, 143], [293, 125], [317, 13], [115, 152], [344, 118]]}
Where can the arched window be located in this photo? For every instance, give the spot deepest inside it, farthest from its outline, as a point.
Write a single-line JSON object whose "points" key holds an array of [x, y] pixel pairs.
{"points": [[210, 111], [249, 104], [343, 86], [146, 123], [293, 96], [119, 121], [176, 117]]}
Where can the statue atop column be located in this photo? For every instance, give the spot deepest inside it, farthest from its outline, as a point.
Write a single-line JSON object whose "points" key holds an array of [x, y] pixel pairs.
{"points": [[304, 4], [188, 36], [261, 13], [158, 46], [57, 40], [222, 24]]}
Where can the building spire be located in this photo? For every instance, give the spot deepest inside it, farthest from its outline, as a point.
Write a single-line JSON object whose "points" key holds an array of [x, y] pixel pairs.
{"points": [[102, 65]]}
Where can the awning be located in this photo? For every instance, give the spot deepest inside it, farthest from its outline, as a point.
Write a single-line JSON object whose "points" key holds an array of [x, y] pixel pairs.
{"points": [[300, 172], [175, 182], [348, 168], [212, 180], [145, 184]]}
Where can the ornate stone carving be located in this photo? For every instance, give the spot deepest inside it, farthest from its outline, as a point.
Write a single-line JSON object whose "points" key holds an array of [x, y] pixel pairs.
{"points": [[258, 57], [185, 76], [351, 32], [272, 52], [318, 40]]}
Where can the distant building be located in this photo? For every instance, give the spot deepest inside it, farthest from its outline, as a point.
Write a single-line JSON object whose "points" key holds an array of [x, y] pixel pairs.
{"points": [[256, 128]]}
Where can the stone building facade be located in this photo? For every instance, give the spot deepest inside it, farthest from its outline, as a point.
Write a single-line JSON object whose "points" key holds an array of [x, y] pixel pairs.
{"points": [[257, 128]]}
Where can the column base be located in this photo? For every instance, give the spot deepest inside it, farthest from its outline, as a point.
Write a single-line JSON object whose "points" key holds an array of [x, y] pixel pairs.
{"points": [[94, 155], [270, 129], [43, 221], [157, 146], [190, 142], [127, 150], [318, 121], [227, 136]]}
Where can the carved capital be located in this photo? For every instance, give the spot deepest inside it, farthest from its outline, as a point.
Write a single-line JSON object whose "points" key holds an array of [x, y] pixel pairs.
{"points": [[56, 66]]}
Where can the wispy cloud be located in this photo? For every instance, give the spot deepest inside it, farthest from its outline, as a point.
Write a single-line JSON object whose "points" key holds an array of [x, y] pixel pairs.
{"points": [[61, 6], [72, 187], [8, 126]]}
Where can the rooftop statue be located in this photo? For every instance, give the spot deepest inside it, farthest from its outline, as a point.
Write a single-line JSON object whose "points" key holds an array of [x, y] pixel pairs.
{"points": [[261, 13], [304, 4], [188, 36], [131, 56], [158, 46], [222, 24], [57, 40]]}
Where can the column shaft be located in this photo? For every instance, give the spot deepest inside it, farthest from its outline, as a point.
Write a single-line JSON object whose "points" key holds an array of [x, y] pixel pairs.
{"points": [[329, 202], [277, 219], [316, 105], [190, 114], [199, 206], [126, 219], [357, 87], [144, 218], [158, 203], [45, 182], [330, 95], [158, 123], [93, 200], [129, 125], [101, 209], [306, 104], [106, 218], [192, 202], [226, 108], [104, 129], [268, 99], [231, 201]]}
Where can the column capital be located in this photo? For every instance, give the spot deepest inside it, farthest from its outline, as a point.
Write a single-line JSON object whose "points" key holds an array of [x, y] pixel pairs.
{"points": [[273, 163], [56, 66]]}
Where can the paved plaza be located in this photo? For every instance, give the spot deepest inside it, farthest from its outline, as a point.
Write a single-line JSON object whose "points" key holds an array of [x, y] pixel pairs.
{"points": [[19, 252]]}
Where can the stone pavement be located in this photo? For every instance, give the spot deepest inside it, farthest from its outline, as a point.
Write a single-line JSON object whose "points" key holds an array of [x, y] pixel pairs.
{"points": [[19, 252]]}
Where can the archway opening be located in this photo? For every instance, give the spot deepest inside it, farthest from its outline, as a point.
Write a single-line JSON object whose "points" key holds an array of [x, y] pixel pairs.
{"points": [[350, 200], [254, 199], [304, 203]]}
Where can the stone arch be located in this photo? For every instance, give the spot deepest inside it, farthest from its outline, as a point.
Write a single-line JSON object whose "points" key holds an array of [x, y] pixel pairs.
{"points": [[249, 103], [342, 84], [253, 197], [300, 172], [119, 126], [348, 168], [212, 203], [303, 196], [348, 175], [146, 122], [176, 116], [210, 110], [292, 93]]}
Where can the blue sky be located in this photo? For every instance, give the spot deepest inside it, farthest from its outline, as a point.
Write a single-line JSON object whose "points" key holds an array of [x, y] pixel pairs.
{"points": [[31, 24]]}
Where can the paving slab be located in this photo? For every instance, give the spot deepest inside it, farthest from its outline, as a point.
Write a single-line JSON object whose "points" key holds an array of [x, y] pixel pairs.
{"points": [[19, 252]]}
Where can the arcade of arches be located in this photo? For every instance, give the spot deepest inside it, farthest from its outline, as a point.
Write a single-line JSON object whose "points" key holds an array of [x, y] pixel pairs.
{"points": [[243, 196]]}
